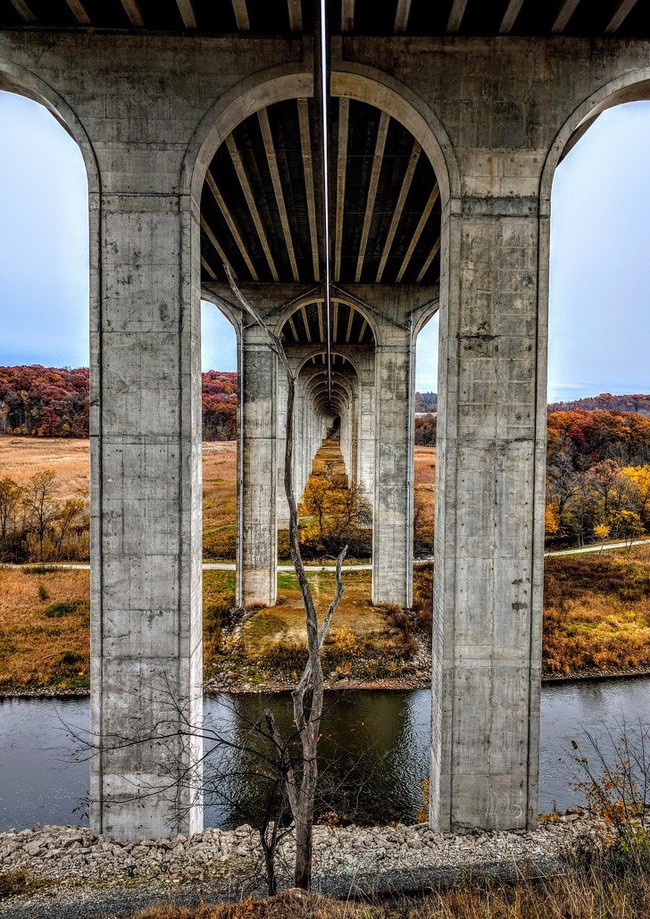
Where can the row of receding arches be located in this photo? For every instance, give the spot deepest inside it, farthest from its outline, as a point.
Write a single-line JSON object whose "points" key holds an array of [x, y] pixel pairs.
{"points": [[386, 155], [407, 175], [348, 371]]}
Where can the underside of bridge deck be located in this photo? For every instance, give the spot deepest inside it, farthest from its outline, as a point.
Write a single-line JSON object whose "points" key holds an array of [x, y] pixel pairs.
{"points": [[349, 17]]}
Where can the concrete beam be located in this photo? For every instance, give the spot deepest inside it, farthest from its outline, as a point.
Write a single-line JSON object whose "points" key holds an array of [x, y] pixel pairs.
{"points": [[620, 15], [186, 10], [79, 12]]}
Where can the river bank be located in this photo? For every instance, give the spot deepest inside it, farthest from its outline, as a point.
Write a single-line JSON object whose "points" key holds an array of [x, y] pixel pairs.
{"points": [[214, 688], [67, 871], [596, 626]]}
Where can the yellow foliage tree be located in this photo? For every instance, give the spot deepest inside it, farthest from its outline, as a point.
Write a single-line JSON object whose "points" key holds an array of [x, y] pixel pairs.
{"points": [[639, 476], [602, 531], [551, 520], [335, 513]]}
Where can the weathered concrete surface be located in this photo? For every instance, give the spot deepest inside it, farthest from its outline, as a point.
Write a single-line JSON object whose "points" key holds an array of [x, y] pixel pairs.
{"points": [[494, 116], [392, 536], [259, 479]]}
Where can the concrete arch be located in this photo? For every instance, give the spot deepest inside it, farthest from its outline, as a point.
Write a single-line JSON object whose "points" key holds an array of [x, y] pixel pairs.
{"points": [[318, 349], [15, 79], [316, 383], [291, 81], [631, 87], [252, 94], [232, 315], [422, 316], [22, 82], [373, 86], [310, 298]]}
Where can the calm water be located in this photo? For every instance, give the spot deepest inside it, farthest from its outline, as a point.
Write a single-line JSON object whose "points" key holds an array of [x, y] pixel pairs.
{"points": [[375, 751]]}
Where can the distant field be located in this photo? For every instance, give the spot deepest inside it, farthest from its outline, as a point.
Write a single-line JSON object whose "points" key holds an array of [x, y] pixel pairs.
{"points": [[22, 457]]}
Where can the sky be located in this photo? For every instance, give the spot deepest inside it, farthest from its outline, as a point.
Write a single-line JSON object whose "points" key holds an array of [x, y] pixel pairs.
{"points": [[599, 312]]}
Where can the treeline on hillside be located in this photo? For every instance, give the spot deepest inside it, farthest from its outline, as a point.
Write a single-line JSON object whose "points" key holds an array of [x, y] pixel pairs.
{"points": [[606, 402], [426, 406], [425, 430], [219, 397], [44, 401], [426, 402], [597, 476], [38, 401]]}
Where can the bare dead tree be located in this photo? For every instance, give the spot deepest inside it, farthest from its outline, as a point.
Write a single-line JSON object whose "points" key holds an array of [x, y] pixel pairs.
{"points": [[301, 777]]}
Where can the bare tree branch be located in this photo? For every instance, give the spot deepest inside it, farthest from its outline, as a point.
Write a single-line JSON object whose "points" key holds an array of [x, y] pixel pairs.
{"points": [[309, 693]]}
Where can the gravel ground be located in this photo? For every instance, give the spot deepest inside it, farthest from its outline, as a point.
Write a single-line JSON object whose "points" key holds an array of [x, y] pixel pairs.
{"points": [[75, 874]]}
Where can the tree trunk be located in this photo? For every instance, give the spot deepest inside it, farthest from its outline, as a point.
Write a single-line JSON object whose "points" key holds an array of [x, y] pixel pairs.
{"points": [[303, 853]]}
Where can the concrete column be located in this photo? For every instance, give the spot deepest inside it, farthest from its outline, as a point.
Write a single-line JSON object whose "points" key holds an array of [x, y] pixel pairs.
{"points": [[301, 435], [392, 541], [259, 485], [353, 471], [489, 517], [281, 411], [367, 423], [345, 443], [146, 645]]}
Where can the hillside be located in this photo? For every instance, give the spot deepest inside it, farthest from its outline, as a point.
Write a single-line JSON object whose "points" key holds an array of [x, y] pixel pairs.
{"points": [[638, 403], [37, 401], [426, 402]]}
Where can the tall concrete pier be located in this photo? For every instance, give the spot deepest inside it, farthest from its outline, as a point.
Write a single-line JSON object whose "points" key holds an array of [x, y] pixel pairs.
{"points": [[197, 128]]}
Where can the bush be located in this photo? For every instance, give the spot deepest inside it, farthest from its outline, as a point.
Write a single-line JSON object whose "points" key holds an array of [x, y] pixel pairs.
{"points": [[70, 670], [615, 781], [423, 598], [64, 608], [17, 883]]}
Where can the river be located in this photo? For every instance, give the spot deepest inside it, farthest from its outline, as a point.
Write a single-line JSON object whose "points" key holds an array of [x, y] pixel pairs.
{"points": [[374, 751]]}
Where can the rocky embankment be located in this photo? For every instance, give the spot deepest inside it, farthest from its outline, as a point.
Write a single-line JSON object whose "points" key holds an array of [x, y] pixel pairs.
{"points": [[67, 872]]}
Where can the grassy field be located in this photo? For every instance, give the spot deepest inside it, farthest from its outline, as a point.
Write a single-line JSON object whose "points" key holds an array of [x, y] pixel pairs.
{"points": [[597, 617], [22, 457], [597, 607], [597, 611], [44, 630]]}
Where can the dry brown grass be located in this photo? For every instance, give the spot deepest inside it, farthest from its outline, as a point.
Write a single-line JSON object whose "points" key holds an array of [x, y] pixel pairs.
{"points": [[23, 457], [425, 484], [39, 650], [597, 611], [219, 500], [595, 892]]}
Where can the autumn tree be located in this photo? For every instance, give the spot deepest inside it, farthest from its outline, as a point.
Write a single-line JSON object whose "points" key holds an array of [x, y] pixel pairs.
{"points": [[639, 479], [41, 506], [337, 515]]}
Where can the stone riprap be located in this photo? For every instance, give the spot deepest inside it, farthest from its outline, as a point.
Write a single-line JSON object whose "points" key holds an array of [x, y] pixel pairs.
{"points": [[81, 873]]}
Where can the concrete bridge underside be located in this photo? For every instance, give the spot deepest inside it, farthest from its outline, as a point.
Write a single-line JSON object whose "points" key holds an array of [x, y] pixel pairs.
{"points": [[196, 126]]}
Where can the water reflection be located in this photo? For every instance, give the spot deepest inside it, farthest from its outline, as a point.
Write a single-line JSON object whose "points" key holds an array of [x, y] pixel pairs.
{"points": [[373, 755], [374, 751]]}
